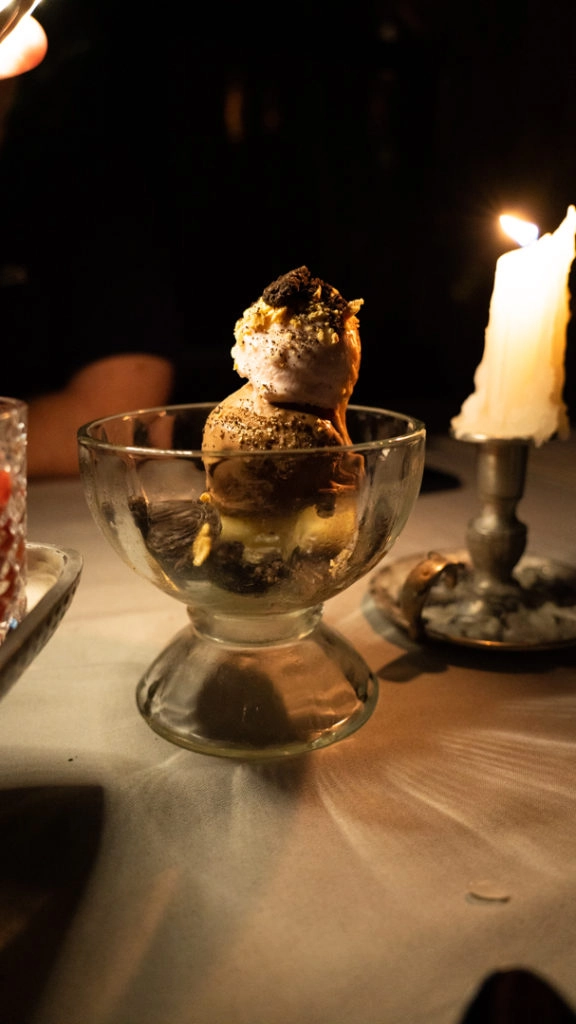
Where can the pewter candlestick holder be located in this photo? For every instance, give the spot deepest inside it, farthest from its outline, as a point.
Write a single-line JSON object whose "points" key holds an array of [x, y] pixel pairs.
{"points": [[491, 594]]}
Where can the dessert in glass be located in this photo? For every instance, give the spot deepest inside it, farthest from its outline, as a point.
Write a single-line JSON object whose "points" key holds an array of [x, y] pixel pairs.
{"points": [[253, 512]]}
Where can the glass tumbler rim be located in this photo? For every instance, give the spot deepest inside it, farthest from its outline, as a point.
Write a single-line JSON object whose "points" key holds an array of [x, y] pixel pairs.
{"points": [[415, 429], [9, 404]]}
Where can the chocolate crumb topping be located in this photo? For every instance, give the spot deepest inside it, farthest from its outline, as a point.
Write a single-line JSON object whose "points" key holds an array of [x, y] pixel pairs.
{"points": [[298, 290]]}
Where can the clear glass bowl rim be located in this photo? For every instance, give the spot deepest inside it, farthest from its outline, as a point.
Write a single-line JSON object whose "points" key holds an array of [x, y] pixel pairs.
{"points": [[415, 428]]}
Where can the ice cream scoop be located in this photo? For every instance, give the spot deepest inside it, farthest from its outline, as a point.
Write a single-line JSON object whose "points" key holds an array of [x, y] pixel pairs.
{"points": [[299, 347], [299, 344]]}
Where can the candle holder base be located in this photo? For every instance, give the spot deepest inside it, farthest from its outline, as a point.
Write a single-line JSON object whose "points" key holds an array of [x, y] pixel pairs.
{"points": [[434, 597]]}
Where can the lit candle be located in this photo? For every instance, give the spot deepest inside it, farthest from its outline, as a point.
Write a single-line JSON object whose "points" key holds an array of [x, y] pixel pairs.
{"points": [[520, 381]]}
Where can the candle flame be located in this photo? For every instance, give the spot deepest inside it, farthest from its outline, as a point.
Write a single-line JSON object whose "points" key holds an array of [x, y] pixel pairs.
{"points": [[522, 231]]}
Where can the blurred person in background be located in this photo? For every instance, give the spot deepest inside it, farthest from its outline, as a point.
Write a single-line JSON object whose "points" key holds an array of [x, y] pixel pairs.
{"points": [[68, 350]]}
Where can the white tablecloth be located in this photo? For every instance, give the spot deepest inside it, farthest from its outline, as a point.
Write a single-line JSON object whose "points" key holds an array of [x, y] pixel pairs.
{"points": [[335, 888]]}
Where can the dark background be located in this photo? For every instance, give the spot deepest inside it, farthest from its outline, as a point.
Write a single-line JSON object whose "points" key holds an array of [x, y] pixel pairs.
{"points": [[162, 168]]}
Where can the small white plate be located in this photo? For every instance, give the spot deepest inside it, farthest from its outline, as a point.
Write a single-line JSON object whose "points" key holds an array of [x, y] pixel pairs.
{"points": [[53, 576]]}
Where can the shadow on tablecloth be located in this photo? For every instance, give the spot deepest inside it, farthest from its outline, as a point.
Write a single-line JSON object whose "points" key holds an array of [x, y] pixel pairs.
{"points": [[50, 835]]}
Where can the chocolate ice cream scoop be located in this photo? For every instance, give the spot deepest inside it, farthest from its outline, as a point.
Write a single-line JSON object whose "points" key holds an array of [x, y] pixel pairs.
{"points": [[255, 484]]}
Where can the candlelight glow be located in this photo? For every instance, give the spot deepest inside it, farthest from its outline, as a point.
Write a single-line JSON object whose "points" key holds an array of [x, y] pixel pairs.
{"points": [[522, 231], [519, 383], [23, 47]]}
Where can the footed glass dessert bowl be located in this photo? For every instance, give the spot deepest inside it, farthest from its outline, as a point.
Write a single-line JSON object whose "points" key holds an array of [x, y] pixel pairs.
{"points": [[252, 543]]}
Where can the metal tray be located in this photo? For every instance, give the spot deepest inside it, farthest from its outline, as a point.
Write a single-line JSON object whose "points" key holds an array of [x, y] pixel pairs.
{"points": [[53, 576]]}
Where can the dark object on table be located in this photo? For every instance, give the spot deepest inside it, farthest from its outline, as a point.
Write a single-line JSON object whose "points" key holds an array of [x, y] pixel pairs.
{"points": [[438, 480], [517, 997], [50, 838]]}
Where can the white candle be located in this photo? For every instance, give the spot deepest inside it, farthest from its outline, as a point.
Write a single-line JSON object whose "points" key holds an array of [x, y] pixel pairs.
{"points": [[520, 381]]}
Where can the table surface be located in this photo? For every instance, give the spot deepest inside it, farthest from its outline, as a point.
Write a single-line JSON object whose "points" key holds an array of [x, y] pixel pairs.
{"points": [[379, 880]]}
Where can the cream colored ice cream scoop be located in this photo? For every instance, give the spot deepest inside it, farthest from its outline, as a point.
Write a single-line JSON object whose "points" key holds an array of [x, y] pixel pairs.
{"points": [[299, 343], [299, 346]]}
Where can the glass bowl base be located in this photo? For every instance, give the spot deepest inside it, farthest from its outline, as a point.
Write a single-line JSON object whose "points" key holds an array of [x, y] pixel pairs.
{"points": [[257, 702]]}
